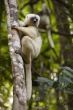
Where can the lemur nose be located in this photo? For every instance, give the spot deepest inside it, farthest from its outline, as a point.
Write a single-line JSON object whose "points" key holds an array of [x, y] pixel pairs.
{"points": [[34, 20]]}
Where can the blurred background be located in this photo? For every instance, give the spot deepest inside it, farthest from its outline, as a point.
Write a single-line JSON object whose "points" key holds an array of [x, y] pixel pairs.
{"points": [[52, 70]]}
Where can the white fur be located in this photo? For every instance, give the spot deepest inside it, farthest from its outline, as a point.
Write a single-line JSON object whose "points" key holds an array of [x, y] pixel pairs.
{"points": [[31, 45], [27, 21]]}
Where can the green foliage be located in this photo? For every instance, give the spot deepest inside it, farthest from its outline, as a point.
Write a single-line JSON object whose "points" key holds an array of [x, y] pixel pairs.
{"points": [[52, 67], [45, 80], [5, 63], [63, 83]]}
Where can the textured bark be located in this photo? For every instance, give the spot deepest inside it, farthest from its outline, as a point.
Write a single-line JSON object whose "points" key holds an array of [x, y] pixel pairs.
{"points": [[19, 90], [66, 42]]}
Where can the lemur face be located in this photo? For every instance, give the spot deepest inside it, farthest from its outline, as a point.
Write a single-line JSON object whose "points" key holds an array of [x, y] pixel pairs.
{"points": [[32, 20]]}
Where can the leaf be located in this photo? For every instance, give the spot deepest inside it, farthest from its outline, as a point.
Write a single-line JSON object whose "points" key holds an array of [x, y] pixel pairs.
{"points": [[61, 85], [62, 82], [45, 80], [69, 80], [68, 90], [68, 73], [67, 68]]}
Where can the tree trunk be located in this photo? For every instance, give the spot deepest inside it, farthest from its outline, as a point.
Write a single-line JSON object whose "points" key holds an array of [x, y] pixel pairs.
{"points": [[19, 90]]}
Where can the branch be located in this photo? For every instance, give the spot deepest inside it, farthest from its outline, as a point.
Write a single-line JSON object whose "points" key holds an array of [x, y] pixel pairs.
{"points": [[19, 90], [55, 32], [60, 33]]}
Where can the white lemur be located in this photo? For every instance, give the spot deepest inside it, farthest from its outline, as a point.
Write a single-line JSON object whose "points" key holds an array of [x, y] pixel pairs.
{"points": [[31, 44], [45, 22]]}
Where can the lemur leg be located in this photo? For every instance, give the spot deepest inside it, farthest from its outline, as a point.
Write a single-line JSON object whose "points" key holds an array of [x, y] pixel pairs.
{"points": [[25, 59], [28, 48]]}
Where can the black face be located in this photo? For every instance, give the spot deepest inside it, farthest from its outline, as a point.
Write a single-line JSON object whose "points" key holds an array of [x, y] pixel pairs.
{"points": [[34, 19]]}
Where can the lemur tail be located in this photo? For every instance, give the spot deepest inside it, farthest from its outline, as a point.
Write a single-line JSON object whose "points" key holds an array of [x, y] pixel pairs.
{"points": [[50, 39], [28, 81]]}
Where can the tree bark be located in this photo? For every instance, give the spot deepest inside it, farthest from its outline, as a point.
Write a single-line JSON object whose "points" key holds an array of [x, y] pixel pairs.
{"points": [[19, 90]]}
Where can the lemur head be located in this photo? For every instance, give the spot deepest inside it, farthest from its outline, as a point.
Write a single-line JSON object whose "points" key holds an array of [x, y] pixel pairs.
{"points": [[32, 20], [45, 9]]}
